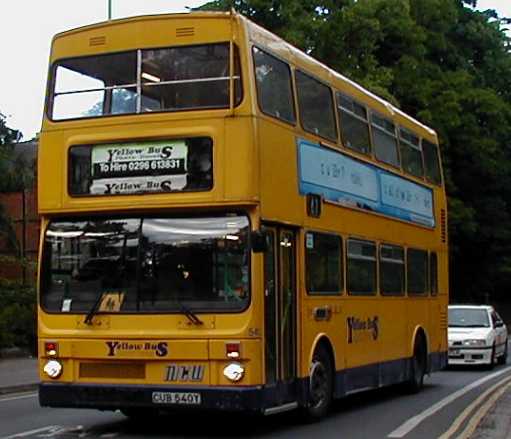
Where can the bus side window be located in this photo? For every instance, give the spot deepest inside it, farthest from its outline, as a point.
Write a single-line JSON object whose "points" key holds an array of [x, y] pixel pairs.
{"points": [[385, 141], [361, 268], [411, 156], [274, 89], [315, 106], [431, 162], [323, 263], [392, 270], [354, 124], [417, 272], [433, 273]]}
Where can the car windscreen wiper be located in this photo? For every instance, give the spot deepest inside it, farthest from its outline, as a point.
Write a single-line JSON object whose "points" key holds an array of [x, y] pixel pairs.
{"points": [[190, 314], [93, 311]]}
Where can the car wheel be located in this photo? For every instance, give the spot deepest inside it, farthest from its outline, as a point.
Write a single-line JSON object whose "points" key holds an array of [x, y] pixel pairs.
{"points": [[503, 357], [417, 367], [320, 385], [493, 359]]}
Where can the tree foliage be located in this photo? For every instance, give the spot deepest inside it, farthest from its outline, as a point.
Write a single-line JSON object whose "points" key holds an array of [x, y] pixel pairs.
{"points": [[446, 64], [8, 135]]}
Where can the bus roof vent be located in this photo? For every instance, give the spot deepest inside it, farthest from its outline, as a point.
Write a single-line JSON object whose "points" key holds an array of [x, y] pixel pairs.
{"points": [[185, 32], [443, 225], [97, 41]]}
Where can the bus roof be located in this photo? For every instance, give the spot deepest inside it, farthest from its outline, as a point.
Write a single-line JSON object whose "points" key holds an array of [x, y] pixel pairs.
{"points": [[141, 18]]}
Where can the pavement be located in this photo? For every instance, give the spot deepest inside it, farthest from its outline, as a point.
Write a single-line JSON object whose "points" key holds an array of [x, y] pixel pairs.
{"points": [[21, 375], [18, 375]]}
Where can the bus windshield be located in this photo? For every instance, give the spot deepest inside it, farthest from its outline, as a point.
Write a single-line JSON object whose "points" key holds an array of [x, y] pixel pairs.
{"points": [[141, 81], [150, 264]]}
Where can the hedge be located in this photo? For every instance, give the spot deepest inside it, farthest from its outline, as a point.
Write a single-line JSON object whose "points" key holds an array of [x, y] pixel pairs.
{"points": [[17, 316]]}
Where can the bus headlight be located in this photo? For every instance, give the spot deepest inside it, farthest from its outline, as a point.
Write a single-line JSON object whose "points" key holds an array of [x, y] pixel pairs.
{"points": [[53, 369], [234, 372]]}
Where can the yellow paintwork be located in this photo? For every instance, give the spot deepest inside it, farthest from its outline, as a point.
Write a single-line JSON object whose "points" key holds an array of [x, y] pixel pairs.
{"points": [[255, 170]]}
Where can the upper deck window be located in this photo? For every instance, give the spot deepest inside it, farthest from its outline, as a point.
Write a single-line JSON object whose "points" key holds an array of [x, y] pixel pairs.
{"points": [[316, 107], [169, 79], [274, 89], [431, 162], [385, 142], [411, 156], [354, 125]]}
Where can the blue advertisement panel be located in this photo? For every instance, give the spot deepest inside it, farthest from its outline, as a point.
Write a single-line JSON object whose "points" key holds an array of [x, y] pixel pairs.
{"points": [[346, 181]]}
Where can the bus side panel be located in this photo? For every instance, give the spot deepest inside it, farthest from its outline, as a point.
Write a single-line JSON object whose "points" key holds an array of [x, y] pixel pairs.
{"points": [[280, 199], [394, 339], [239, 160], [363, 342], [50, 170]]}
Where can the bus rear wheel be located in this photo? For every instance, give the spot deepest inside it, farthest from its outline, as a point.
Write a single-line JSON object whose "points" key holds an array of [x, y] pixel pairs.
{"points": [[418, 366], [321, 379]]}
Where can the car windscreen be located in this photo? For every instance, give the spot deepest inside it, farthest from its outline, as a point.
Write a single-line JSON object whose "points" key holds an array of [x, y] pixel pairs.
{"points": [[147, 265], [468, 318]]}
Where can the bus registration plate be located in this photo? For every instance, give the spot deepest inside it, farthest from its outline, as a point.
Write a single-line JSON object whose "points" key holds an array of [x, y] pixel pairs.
{"points": [[185, 398]]}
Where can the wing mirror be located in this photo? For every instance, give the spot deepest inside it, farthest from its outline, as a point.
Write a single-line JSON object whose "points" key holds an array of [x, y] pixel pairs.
{"points": [[259, 241]]}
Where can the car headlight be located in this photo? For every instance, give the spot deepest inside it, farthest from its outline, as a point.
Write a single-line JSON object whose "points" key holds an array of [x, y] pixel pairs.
{"points": [[474, 343]]}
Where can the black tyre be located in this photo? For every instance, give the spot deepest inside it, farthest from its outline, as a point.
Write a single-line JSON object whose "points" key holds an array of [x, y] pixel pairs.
{"points": [[138, 414], [418, 366], [493, 359], [503, 357], [320, 385]]}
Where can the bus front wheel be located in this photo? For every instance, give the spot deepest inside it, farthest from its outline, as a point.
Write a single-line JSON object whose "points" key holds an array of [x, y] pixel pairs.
{"points": [[321, 379]]}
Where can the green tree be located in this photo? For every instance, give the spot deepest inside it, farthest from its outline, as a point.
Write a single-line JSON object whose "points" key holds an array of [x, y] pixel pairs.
{"points": [[446, 64], [8, 137]]}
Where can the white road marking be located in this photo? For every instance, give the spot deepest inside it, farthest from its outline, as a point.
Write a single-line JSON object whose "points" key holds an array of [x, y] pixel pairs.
{"points": [[409, 425], [62, 430], [31, 432], [14, 398]]}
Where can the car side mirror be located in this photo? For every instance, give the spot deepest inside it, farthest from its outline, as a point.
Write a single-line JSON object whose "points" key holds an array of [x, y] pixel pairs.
{"points": [[499, 324], [259, 241]]}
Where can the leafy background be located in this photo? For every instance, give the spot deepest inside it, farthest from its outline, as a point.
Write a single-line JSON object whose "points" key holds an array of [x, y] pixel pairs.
{"points": [[450, 67]]}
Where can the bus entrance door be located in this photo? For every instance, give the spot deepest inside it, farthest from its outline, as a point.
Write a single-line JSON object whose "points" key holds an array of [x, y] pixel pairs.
{"points": [[280, 312]]}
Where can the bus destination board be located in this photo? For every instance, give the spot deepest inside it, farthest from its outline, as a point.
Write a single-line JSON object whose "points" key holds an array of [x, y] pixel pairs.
{"points": [[139, 167]]}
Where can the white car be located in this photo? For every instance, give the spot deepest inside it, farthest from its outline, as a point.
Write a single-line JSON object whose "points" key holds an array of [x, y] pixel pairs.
{"points": [[477, 335]]}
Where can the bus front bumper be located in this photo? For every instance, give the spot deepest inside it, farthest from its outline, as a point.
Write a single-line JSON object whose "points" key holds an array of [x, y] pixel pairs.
{"points": [[113, 397]]}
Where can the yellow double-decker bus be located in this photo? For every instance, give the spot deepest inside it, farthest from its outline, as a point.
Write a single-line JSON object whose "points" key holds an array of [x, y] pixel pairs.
{"points": [[229, 224]]}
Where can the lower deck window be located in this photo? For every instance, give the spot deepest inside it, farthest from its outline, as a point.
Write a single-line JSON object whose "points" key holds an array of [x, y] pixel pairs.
{"points": [[417, 271], [323, 263], [392, 270], [361, 266]]}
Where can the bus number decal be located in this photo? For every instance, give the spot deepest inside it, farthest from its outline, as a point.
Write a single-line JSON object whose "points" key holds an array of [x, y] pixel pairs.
{"points": [[184, 372]]}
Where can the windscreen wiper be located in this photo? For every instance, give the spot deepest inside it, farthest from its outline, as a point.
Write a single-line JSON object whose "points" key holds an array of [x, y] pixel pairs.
{"points": [[190, 315], [93, 311]]}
